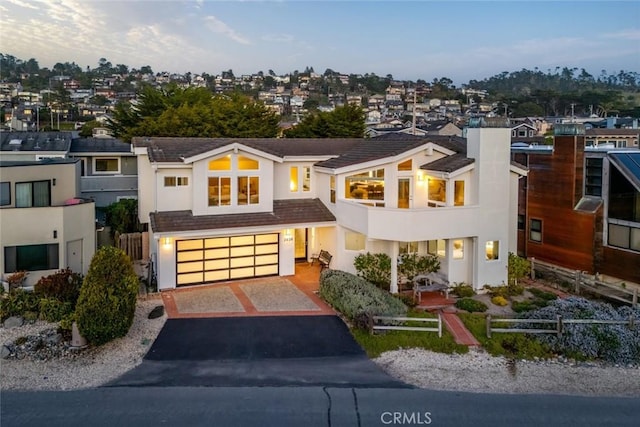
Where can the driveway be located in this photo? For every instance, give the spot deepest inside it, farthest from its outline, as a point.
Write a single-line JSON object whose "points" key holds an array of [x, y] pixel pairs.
{"points": [[257, 351]]}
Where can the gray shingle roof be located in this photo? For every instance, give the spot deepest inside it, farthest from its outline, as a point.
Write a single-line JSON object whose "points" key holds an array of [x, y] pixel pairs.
{"points": [[35, 141], [285, 212], [168, 149], [390, 145], [449, 164], [99, 145]]}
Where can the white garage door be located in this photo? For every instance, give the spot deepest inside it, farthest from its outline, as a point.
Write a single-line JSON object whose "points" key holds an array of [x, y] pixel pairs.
{"points": [[226, 258]]}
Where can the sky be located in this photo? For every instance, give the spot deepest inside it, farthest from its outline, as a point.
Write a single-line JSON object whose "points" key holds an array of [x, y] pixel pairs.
{"points": [[409, 39]]}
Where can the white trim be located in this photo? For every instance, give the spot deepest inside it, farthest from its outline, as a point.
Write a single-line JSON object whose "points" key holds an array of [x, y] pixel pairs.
{"points": [[234, 147]]}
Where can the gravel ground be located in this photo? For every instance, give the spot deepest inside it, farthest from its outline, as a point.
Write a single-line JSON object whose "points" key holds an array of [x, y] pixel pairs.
{"points": [[479, 372], [89, 368], [475, 371]]}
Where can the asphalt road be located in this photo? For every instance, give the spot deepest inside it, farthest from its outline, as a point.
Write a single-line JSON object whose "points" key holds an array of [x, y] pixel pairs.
{"points": [[257, 351], [308, 407]]}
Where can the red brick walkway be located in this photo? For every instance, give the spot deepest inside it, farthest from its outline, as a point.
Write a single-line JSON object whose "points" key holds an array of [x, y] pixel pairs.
{"points": [[460, 332]]}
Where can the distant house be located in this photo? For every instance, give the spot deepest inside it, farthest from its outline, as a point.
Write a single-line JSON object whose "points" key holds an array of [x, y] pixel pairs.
{"points": [[45, 224], [614, 138], [578, 207], [523, 130]]}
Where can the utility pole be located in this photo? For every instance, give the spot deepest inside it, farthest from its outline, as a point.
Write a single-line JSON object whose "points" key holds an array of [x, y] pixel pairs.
{"points": [[573, 119], [414, 111]]}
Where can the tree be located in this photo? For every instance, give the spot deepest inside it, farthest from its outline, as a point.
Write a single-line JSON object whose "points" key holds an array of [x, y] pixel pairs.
{"points": [[344, 122], [192, 112], [87, 129], [107, 301], [517, 268]]}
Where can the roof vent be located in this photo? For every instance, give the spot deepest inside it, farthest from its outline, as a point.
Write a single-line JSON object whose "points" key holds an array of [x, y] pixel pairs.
{"points": [[15, 142]]}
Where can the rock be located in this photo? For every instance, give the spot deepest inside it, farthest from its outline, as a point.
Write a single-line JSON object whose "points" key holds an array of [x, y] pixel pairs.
{"points": [[53, 339], [14, 322], [157, 311], [4, 352]]}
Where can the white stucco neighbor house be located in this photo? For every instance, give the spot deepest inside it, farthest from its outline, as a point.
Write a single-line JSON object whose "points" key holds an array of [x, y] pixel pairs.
{"points": [[223, 209], [45, 224]]}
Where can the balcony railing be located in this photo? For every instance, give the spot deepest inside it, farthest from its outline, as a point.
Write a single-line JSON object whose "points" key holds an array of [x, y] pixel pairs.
{"points": [[108, 183], [408, 225]]}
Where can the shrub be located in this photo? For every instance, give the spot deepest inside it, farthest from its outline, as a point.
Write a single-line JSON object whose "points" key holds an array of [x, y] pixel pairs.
{"points": [[613, 343], [107, 301], [16, 279], [53, 310], [356, 298], [407, 300], [463, 291], [17, 302], [499, 300], [543, 295], [527, 305], [374, 268], [412, 264], [504, 291], [517, 268], [63, 286], [471, 305]]}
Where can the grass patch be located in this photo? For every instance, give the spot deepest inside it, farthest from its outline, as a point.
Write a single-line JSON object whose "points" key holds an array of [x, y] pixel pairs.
{"points": [[515, 345], [382, 341]]}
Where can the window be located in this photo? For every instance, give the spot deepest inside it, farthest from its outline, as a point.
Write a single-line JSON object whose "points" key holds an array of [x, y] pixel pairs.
{"points": [[245, 163], [219, 191], [293, 179], [106, 165], [220, 164], [521, 221], [173, 181], [31, 258], [306, 178], [437, 191], [366, 186], [593, 177], [458, 193], [492, 250], [535, 230], [5, 193], [248, 191], [354, 241], [624, 236], [437, 247], [332, 186], [33, 194], [458, 249], [407, 165], [408, 247]]}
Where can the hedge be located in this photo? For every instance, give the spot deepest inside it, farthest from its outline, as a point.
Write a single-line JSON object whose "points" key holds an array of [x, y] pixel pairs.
{"points": [[356, 298]]}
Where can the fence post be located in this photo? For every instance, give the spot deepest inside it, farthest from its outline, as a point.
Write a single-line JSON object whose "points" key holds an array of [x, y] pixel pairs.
{"points": [[578, 275], [634, 300], [559, 325], [631, 321], [488, 319], [370, 323], [439, 325], [533, 268]]}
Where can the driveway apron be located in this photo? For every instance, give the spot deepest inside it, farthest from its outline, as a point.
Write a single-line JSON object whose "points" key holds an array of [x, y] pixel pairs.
{"points": [[257, 351]]}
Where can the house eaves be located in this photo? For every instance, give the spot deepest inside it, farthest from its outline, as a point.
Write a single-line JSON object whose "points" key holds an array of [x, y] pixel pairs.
{"points": [[235, 147]]}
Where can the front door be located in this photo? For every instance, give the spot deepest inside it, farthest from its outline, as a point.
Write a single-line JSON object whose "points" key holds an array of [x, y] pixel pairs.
{"points": [[300, 241], [74, 256], [404, 193]]}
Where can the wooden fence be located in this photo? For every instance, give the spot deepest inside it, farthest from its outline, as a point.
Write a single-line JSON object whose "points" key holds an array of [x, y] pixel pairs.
{"points": [[579, 281], [374, 326], [133, 244], [558, 324]]}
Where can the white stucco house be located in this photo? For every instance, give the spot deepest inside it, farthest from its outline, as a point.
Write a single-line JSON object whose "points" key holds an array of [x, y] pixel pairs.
{"points": [[45, 224], [225, 209]]}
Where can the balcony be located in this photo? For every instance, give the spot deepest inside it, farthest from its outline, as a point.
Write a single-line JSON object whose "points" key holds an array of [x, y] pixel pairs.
{"points": [[90, 184], [407, 225]]}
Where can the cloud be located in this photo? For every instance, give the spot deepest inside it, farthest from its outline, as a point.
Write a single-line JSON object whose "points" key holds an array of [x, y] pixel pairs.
{"points": [[23, 4], [630, 34], [219, 27], [278, 38]]}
